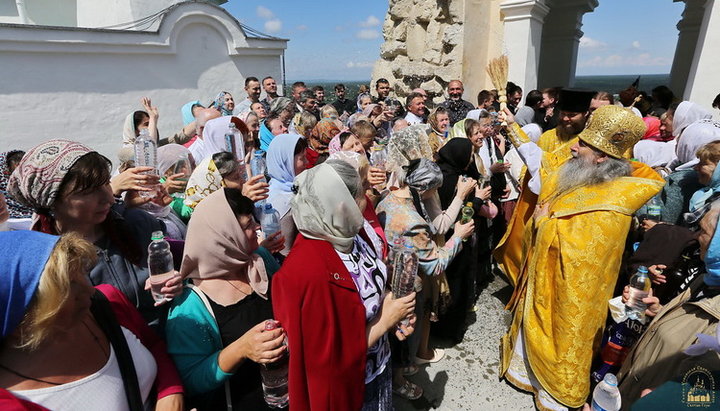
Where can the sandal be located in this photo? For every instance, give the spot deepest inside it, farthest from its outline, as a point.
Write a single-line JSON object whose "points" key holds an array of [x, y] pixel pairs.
{"points": [[408, 390], [438, 355], [410, 370]]}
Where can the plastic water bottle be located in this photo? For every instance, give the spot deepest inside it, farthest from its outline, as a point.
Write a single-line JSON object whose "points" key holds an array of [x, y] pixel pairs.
{"points": [[394, 250], [639, 288], [257, 165], [606, 396], [275, 376], [404, 270], [160, 263], [378, 156], [654, 209], [146, 156], [270, 220]]}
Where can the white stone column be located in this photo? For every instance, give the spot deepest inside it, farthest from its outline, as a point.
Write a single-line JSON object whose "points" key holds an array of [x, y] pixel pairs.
{"points": [[523, 21], [560, 41], [687, 45], [703, 82]]}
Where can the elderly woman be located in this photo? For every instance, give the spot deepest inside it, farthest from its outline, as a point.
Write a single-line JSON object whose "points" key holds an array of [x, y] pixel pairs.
{"points": [[439, 121], [405, 219], [330, 297], [282, 108], [215, 329], [224, 103], [285, 160], [67, 345], [346, 141], [320, 137], [68, 185], [213, 137]]}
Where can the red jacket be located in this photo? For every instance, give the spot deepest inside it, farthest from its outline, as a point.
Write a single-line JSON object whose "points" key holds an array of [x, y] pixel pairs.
{"points": [[315, 299]]}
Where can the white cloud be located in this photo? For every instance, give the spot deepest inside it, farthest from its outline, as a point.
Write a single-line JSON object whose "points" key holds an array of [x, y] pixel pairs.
{"points": [[361, 64], [367, 34], [371, 21], [591, 44], [616, 60], [302, 27], [273, 26], [264, 12], [636, 44]]}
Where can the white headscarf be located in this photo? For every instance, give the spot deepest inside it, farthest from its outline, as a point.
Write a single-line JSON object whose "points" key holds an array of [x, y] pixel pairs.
{"points": [[168, 155], [695, 136], [686, 114], [533, 130], [323, 208], [654, 153], [213, 139]]}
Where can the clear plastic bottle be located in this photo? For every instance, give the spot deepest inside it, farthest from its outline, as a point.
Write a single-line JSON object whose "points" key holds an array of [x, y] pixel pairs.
{"points": [[160, 264], [275, 376], [405, 271], [378, 156], [393, 251], [654, 209], [639, 288], [146, 156], [606, 396], [270, 220], [258, 166]]}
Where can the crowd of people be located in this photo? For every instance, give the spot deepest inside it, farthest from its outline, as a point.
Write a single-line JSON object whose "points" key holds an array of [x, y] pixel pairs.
{"points": [[564, 196]]}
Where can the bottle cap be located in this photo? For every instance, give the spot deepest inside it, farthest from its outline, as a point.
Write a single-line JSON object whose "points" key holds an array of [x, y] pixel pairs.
{"points": [[642, 269], [268, 206], [610, 379], [157, 235], [259, 153], [469, 204]]}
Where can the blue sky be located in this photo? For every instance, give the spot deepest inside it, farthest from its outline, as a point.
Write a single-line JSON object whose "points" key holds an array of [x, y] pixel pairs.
{"points": [[341, 39]]}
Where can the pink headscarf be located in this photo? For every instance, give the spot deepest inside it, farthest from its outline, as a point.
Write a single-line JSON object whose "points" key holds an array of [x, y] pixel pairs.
{"points": [[653, 129]]}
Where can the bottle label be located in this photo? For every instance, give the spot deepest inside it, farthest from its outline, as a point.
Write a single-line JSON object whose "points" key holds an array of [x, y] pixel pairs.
{"points": [[636, 299]]}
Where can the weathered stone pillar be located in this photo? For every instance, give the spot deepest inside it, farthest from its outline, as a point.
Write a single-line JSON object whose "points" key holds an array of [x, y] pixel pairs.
{"points": [[687, 45], [560, 40], [523, 32]]}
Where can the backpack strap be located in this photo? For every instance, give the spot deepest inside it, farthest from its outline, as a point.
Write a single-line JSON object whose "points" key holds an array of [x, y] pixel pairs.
{"points": [[106, 319]]}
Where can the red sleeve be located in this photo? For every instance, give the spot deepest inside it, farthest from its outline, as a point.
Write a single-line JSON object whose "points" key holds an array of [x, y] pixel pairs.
{"points": [[168, 380], [325, 323], [9, 402]]}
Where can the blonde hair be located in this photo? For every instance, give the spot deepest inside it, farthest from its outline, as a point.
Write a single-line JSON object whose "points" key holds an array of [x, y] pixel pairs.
{"points": [[709, 153], [71, 259], [328, 111], [307, 122]]}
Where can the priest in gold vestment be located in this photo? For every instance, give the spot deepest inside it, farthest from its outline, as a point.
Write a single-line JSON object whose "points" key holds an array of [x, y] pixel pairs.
{"points": [[574, 106], [571, 253]]}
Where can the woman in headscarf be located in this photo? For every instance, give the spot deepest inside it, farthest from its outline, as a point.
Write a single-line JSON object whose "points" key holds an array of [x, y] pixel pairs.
{"points": [[685, 114], [320, 137], [282, 108], [216, 327], [224, 103], [330, 297], [67, 345], [215, 172], [345, 140], [439, 122], [175, 164], [464, 276], [68, 186], [371, 223], [189, 111], [138, 120], [285, 160], [405, 221], [213, 137], [8, 161], [683, 181]]}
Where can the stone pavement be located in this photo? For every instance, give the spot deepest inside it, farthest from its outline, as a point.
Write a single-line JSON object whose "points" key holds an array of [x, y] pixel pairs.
{"points": [[467, 378]]}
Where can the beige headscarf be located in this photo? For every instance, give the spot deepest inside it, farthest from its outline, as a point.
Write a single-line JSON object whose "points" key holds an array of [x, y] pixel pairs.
{"points": [[216, 247], [323, 208]]}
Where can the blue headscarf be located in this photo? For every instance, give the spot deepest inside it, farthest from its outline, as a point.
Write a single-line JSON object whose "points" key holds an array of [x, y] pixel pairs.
{"points": [[219, 103], [266, 136], [23, 255], [187, 113], [280, 162]]}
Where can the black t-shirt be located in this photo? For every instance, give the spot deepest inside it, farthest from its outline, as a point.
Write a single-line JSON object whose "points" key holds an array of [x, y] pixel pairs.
{"points": [[234, 321]]}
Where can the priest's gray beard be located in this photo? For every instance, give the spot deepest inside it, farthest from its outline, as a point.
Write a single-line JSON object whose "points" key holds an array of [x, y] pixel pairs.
{"points": [[578, 172]]}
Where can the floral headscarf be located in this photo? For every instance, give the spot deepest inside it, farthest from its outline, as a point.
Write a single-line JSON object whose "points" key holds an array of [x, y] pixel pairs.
{"points": [[205, 180], [322, 133], [219, 103]]}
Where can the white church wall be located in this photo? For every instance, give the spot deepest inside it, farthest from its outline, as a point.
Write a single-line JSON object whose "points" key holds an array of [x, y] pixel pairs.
{"points": [[81, 84], [703, 83]]}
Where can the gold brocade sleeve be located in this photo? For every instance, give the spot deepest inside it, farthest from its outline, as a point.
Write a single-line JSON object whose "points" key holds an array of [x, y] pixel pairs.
{"points": [[516, 135]]}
